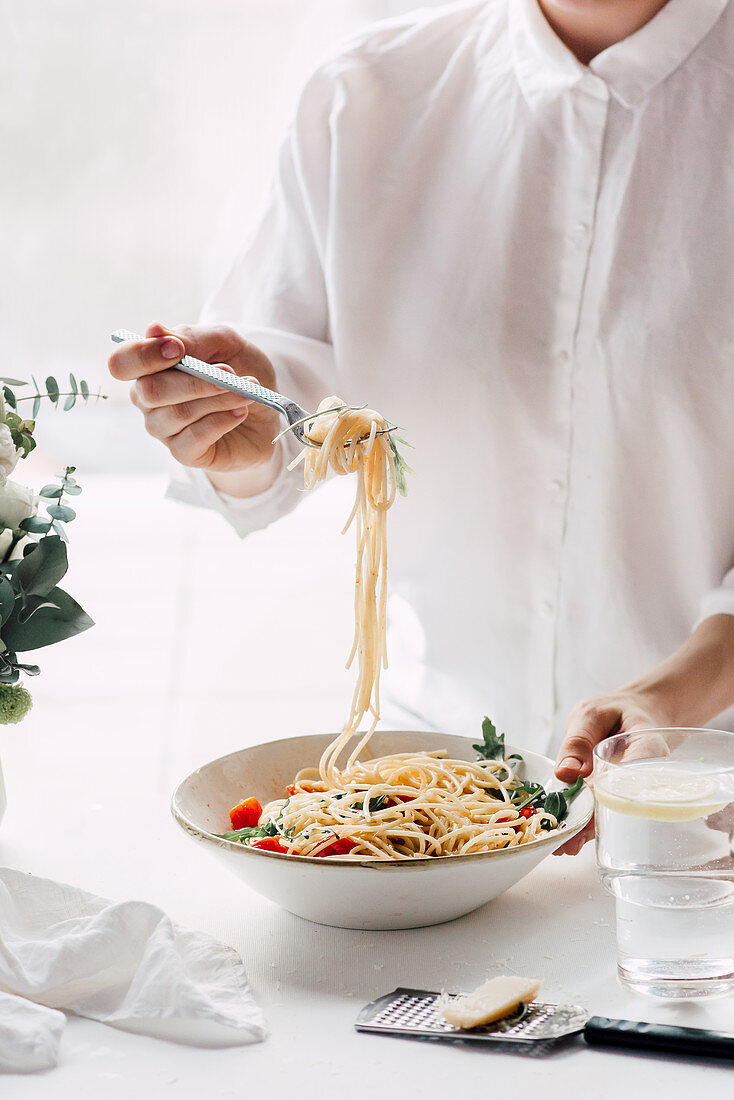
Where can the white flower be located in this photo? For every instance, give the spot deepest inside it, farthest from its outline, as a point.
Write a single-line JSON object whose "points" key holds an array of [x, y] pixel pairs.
{"points": [[17, 502], [6, 537], [9, 454]]}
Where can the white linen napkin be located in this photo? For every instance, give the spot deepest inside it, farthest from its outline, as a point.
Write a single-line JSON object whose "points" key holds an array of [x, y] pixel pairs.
{"points": [[123, 963], [29, 1035]]}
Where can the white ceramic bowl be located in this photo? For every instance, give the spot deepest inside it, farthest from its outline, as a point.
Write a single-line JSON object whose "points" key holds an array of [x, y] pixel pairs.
{"points": [[369, 894]]}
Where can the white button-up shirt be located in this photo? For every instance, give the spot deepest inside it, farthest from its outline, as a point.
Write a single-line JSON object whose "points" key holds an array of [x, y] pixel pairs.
{"points": [[528, 264]]}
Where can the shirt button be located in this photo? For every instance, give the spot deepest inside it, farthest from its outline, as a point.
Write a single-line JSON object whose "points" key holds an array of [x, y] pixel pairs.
{"points": [[564, 357], [581, 230], [546, 608], [557, 486]]}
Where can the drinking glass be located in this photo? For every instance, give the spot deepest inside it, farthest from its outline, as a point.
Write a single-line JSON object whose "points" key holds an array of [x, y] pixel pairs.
{"points": [[664, 832]]}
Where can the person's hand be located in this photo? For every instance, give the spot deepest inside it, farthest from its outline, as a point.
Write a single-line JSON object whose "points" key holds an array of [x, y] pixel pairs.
{"points": [[590, 722], [201, 425]]}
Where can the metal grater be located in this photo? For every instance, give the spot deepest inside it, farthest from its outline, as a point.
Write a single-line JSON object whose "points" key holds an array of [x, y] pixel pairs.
{"points": [[412, 1013], [226, 381]]}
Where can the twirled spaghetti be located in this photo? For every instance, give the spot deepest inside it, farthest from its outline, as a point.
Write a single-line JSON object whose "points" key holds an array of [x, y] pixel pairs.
{"points": [[405, 805]]}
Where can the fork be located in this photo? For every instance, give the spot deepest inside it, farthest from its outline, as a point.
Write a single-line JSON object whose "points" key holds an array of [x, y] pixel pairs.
{"points": [[291, 410]]}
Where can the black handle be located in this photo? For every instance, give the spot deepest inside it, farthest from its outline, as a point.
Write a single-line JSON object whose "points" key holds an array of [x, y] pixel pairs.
{"points": [[687, 1041]]}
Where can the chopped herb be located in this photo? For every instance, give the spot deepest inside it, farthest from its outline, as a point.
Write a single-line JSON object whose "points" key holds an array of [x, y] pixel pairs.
{"points": [[401, 466]]}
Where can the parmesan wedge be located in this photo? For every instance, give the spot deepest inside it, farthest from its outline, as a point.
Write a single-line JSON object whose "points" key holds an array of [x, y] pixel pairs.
{"points": [[496, 998]]}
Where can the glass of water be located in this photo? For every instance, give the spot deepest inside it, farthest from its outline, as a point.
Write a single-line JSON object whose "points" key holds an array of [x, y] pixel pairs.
{"points": [[664, 845]]}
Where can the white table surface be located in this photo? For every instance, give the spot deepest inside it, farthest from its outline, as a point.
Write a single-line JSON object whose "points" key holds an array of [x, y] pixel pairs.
{"points": [[126, 710]]}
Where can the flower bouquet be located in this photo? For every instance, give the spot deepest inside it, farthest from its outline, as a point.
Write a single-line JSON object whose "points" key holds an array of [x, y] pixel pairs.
{"points": [[34, 611]]}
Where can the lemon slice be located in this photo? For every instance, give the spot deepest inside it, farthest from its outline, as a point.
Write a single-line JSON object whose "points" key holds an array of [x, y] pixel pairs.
{"points": [[663, 794]]}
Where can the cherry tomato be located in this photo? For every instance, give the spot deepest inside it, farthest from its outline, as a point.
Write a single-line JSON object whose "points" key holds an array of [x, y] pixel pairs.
{"points": [[527, 811], [246, 815], [269, 844], [338, 847]]}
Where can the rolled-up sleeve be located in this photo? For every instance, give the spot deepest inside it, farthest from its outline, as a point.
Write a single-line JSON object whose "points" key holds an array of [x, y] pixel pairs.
{"points": [[275, 296], [719, 601]]}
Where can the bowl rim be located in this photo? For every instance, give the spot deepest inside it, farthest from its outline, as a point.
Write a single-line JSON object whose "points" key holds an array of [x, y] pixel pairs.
{"points": [[552, 839]]}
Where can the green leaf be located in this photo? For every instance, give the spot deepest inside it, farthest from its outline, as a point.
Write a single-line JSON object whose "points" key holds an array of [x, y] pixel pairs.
{"points": [[241, 836], [52, 389], [61, 512], [59, 529], [43, 568], [34, 525], [7, 599], [10, 396], [13, 381], [72, 490], [49, 625], [32, 604], [70, 402], [51, 491], [36, 406], [527, 794], [494, 743], [83, 386], [72, 384], [557, 801]]}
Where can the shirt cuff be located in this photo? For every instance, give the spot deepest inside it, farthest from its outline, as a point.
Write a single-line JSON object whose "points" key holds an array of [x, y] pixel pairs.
{"points": [[719, 601], [244, 514]]}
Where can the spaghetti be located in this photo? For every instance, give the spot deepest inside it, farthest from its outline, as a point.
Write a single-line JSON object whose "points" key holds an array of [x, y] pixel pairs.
{"points": [[405, 805]]}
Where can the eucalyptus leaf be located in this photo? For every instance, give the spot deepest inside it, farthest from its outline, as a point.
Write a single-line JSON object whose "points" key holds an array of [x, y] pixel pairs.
{"points": [[34, 525], [36, 405], [73, 384], [51, 491], [70, 402], [61, 512], [52, 388], [72, 490], [59, 529], [13, 381], [10, 396], [83, 386]]}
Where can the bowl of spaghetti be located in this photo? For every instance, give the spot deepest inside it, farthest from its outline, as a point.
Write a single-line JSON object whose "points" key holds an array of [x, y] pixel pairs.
{"points": [[433, 833], [309, 822]]}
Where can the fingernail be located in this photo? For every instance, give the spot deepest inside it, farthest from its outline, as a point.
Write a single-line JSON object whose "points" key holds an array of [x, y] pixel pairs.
{"points": [[570, 763], [170, 350], [239, 413]]}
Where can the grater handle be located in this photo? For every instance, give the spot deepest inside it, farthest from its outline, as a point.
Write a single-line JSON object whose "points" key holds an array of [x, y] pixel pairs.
{"points": [[634, 1034]]}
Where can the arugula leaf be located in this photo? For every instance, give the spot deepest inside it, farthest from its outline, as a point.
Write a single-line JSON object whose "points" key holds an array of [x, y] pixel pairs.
{"points": [[494, 743], [528, 792], [557, 801], [241, 836]]}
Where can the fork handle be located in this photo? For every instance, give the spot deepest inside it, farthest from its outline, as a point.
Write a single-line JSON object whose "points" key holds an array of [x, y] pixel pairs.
{"points": [[217, 377]]}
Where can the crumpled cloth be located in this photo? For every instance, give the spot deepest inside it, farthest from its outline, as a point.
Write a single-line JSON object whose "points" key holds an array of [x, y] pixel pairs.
{"points": [[123, 963], [29, 1035]]}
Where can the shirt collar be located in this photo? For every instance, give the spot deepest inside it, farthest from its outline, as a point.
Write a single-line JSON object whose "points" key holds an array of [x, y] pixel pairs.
{"points": [[629, 69]]}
